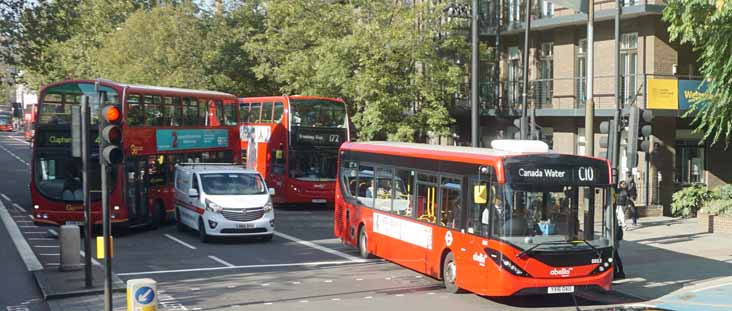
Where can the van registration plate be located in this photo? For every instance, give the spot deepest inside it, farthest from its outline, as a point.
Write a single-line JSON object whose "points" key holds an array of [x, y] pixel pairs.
{"points": [[560, 289], [245, 226]]}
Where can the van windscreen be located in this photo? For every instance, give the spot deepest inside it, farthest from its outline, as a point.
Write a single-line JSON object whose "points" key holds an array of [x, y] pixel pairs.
{"points": [[232, 184]]}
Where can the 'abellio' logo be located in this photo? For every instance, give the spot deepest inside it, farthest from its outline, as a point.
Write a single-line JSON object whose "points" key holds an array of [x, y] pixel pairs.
{"points": [[563, 272]]}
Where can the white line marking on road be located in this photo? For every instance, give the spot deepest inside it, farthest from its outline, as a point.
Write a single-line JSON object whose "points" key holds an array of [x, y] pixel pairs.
{"points": [[31, 217], [221, 261], [305, 264], [304, 301], [318, 247], [367, 297], [40, 239], [19, 207], [328, 281], [46, 246], [28, 226], [231, 286], [5, 197], [14, 155], [94, 261], [52, 264], [359, 279], [336, 299], [194, 289], [294, 282], [265, 284], [710, 287], [24, 249], [53, 232], [20, 140], [179, 241], [35, 232], [24, 221], [267, 303], [399, 295], [53, 254]]}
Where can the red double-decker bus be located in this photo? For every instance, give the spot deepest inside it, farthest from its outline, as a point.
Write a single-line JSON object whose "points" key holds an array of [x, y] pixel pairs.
{"points": [[161, 127], [489, 221], [293, 142]]}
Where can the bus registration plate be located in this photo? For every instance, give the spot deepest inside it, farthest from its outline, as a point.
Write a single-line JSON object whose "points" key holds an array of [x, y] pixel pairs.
{"points": [[560, 289]]}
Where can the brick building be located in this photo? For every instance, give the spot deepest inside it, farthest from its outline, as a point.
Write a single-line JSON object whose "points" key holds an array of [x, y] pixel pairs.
{"points": [[557, 82]]}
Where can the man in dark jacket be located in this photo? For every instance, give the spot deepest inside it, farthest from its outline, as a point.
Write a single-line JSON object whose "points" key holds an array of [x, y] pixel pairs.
{"points": [[632, 191], [621, 201]]}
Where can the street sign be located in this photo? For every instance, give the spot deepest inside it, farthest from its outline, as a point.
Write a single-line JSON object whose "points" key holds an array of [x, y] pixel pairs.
{"points": [[144, 295]]}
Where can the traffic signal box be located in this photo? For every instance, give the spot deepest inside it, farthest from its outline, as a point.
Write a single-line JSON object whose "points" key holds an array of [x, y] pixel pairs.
{"points": [[639, 134], [111, 143]]}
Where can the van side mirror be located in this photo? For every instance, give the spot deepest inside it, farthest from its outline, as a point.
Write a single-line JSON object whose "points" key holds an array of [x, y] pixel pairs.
{"points": [[480, 194], [193, 193], [271, 191]]}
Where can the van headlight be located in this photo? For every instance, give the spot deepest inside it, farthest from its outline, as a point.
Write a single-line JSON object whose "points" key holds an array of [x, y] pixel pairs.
{"points": [[213, 207], [268, 206]]}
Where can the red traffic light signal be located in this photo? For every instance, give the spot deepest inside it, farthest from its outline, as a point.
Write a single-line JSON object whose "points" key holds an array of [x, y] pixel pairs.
{"points": [[111, 144]]}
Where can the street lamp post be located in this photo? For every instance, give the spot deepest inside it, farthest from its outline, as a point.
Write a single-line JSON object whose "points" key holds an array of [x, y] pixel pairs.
{"points": [[524, 92], [461, 11]]}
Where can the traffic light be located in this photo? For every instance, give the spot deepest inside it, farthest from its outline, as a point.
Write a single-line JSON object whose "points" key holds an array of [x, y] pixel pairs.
{"points": [[639, 134], [610, 129], [111, 143]]}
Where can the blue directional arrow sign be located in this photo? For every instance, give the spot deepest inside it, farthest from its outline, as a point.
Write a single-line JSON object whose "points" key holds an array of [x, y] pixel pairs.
{"points": [[144, 295]]}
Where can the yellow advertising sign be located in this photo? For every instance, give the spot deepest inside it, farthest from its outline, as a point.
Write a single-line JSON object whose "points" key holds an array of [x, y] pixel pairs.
{"points": [[663, 94]]}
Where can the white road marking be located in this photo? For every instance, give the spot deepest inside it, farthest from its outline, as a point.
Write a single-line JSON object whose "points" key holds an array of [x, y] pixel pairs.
{"points": [[367, 297], [221, 261], [46, 246], [399, 295], [179, 241], [5, 197], [710, 287], [195, 289], [304, 301], [40, 239], [318, 247], [20, 140], [53, 254], [305, 264], [14, 155], [19, 207], [28, 226], [328, 281], [35, 232], [24, 249], [336, 299], [94, 261], [267, 303], [24, 221]]}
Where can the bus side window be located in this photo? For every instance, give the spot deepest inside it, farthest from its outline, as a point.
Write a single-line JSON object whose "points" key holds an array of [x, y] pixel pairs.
{"points": [[171, 115], [230, 114], [403, 192], [279, 109], [203, 107], [190, 111], [153, 111], [220, 116], [383, 190], [349, 177], [365, 187], [244, 114], [451, 202], [135, 113], [427, 198], [267, 112], [254, 112]]}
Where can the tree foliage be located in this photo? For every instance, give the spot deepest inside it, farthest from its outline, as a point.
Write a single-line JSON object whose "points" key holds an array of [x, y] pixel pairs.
{"points": [[384, 59], [707, 26]]}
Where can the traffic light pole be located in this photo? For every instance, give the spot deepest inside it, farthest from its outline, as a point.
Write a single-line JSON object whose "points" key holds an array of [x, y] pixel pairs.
{"points": [[105, 216], [524, 92], [85, 191], [474, 114]]}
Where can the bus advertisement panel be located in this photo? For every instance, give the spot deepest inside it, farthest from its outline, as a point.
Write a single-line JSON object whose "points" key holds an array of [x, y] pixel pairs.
{"points": [[293, 141], [493, 222], [161, 127]]}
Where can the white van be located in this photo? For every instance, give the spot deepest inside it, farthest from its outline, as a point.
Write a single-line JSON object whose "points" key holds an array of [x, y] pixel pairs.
{"points": [[223, 200]]}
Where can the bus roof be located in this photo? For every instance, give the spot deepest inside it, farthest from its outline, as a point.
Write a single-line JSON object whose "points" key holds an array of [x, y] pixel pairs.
{"points": [[147, 88], [295, 97], [376, 145]]}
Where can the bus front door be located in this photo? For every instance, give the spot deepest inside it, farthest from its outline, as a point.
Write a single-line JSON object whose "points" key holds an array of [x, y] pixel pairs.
{"points": [[136, 190]]}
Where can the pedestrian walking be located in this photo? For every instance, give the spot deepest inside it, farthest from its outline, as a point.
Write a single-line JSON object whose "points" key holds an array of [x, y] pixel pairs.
{"points": [[621, 202], [632, 191]]}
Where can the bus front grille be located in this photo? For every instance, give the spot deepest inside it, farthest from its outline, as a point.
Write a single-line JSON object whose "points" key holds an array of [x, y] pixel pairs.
{"points": [[242, 215]]}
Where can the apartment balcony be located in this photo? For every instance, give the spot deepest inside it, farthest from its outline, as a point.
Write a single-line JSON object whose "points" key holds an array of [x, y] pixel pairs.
{"points": [[566, 97]]}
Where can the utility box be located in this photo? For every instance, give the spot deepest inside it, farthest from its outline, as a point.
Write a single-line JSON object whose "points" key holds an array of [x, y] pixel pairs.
{"points": [[70, 240], [142, 295]]}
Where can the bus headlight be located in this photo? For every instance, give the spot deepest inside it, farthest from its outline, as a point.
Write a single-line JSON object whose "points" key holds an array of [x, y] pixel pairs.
{"points": [[213, 207], [268, 207]]}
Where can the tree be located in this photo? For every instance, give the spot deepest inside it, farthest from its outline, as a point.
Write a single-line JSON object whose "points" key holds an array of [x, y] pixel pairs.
{"points": [[707, 27], [385, 59]]}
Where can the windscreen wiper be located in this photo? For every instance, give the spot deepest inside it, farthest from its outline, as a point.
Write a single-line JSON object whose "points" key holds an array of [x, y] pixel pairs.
{"points": [[530, 249]]}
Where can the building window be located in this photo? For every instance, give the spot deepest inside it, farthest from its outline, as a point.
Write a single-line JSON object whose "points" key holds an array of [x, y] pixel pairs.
{"points": [[514, 76], [689, 162], [581, 72], [514, 10], [628, 65], [580, 141], [544, 86], [547, 8]]}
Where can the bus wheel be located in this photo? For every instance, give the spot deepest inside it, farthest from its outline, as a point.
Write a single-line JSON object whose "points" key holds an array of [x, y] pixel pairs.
{"points": [[202, 235], [179, 222], [449, 274], [158, 215], [363, 243]]}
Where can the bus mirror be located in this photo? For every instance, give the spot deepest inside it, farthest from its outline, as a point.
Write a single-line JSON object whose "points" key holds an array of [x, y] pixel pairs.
{"points": [[193, 193], [480, 194], [271, 191]]}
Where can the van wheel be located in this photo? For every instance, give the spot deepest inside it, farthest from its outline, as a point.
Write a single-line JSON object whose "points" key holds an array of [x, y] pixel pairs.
{"points": [[179, 222], [158, 215], [202, 235], [449, 274], [363, 243]]}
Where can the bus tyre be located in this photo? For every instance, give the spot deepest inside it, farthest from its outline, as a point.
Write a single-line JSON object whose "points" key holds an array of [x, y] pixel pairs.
{"points": [[179, 222], [449, 274], [202, 235], [363, 243], [158, 215]]}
